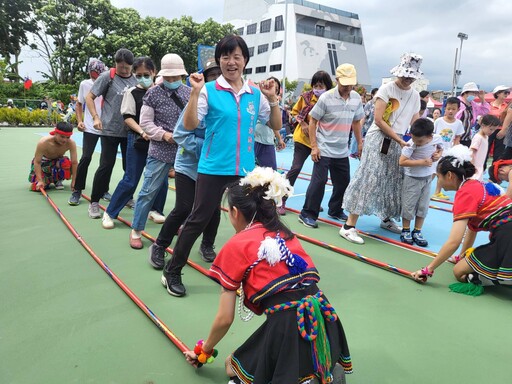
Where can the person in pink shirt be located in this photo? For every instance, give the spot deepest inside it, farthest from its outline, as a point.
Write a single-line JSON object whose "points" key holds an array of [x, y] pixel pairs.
{"points": [[469, 109], [480, 144]]}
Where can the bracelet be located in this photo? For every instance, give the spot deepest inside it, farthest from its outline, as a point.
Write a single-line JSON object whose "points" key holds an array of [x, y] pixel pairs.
{"points": [[273, 104], [425, 271], [202, 356]]}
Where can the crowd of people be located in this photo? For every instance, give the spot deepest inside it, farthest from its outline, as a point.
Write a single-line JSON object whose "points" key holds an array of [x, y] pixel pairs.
{"points": [[220, 135]]}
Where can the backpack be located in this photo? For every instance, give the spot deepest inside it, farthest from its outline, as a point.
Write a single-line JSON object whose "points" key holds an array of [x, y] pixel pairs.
{"points": [[112, 75]]}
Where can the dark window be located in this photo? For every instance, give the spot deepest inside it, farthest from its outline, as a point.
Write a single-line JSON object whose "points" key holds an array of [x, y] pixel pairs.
{"points": [[276, 67], [279, 24], [240, 31], [261, 69], [333, 57], [251, 29], [265, 26], [320, 30], [262, 48], [277, 44], [247, 71], [251, 51]]}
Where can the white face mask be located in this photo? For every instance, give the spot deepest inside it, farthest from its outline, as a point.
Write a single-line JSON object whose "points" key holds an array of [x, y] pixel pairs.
{"points": [[470, 98]]}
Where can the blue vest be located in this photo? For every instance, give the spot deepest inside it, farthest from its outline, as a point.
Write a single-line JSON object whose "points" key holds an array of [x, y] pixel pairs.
{"points": [[228, 148]]}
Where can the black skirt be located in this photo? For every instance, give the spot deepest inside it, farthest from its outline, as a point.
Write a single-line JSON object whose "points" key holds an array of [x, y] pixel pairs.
{"points": [[494, 259], [276, 352]]}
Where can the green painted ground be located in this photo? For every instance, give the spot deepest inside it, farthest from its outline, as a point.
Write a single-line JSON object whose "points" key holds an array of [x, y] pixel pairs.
{"points": [[63, 320]]}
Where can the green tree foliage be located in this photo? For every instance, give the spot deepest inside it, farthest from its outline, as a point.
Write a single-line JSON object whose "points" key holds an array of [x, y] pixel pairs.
{"points": [[16, 23]]}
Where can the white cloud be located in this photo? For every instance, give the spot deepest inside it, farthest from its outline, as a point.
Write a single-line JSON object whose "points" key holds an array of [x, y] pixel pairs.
{"points": [[391, 28]]}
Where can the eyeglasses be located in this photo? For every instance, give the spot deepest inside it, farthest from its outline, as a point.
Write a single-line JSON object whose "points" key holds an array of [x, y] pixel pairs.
{"points": [[146, 76]]}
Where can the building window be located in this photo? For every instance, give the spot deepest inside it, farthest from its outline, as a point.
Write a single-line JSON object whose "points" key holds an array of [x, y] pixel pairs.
{"points": [[320, 30], [240, 31], [265, 26], [251, 29], [251, 51], [247, 71], [275, 68], [277, 44], [279, 24], [262, 48], [333, 57], [261, 69]]}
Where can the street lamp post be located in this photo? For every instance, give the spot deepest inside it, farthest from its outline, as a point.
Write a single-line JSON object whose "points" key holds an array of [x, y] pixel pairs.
{"points": [[457, 71]]}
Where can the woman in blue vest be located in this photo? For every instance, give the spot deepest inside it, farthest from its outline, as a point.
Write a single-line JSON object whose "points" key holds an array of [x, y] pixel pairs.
{"points": [[230, 108]]}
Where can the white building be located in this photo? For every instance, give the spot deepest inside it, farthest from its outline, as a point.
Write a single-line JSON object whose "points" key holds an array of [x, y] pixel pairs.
{"points": [[296, 38]]}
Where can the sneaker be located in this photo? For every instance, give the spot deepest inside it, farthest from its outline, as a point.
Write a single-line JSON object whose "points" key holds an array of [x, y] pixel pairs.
{"points": [[281, 211], [156, 217], [441, 196], [173, 284], [106, 221], [58, 185], [418, 238], [157, 256], [308, 222], [94, 211], [391, 226], [74, 199], [207, 253], [338, 216], [406, 237], [351, 235], [135, 242], [131, 204], [107, 196]]}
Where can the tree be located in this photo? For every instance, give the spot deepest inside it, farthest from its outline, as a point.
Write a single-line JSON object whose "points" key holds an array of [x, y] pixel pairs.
{"points": [[16, 23]]}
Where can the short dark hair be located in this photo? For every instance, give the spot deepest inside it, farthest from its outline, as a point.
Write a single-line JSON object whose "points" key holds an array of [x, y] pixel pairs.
{"points": [[422, 127], [322, 77], [124, 55], [423, 105], [144, 61], [228, 44], [374, 91], [453, 100], [64, 127], [490, 120], [424, 94]]}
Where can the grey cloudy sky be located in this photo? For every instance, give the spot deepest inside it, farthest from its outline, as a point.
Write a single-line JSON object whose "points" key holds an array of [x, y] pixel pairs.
{"points": [[427, 27]]}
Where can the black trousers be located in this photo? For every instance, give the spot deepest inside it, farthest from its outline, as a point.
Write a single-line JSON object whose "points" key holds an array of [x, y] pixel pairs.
{"points": [[339, 168], [185, 191], [89, 142], [209, 191], [109, 145]]}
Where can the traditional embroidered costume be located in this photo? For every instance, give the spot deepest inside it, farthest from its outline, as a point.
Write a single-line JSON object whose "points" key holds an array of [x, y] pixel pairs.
{"points": [[53, 170], [302, 337], [487, 210]]}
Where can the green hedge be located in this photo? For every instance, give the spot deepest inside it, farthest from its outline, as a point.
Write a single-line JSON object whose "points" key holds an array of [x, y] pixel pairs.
{"points": [[23, 116]]}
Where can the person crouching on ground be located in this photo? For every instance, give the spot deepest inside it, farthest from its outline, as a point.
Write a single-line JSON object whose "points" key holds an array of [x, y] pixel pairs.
{"points": [[265, 253], [49, 164]]}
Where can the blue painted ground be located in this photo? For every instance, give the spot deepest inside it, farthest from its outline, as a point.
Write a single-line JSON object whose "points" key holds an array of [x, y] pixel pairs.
{"points": [[437, 224]]}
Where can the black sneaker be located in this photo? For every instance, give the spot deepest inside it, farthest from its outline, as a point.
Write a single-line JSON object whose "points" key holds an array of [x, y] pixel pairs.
{"points": [[156, 256], [174, 285], [338, 216], [207, 253]]}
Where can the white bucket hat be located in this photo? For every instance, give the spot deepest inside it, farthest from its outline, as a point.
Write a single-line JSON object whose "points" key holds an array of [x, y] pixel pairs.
{"points": [[500, 88], [470, 87], [172, 65], [409, 66]]}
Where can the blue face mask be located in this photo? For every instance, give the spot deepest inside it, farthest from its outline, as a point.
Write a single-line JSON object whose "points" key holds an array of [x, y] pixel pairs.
{"points": [[145, 82], [173, 85], [470, 98]]}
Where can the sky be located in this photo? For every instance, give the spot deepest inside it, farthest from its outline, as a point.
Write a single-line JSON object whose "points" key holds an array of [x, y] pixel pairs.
{"points": [[426, 27]]}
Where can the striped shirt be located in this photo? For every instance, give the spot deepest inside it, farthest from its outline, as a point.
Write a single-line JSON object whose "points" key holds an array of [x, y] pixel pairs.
{"points": [[335, 116]]}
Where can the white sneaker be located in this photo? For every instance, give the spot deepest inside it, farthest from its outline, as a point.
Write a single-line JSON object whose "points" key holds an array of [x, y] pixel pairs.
{"points": [[156, 217], [94, 210], [107, 221], [351, 235], [58, 185], [391, 226]]}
